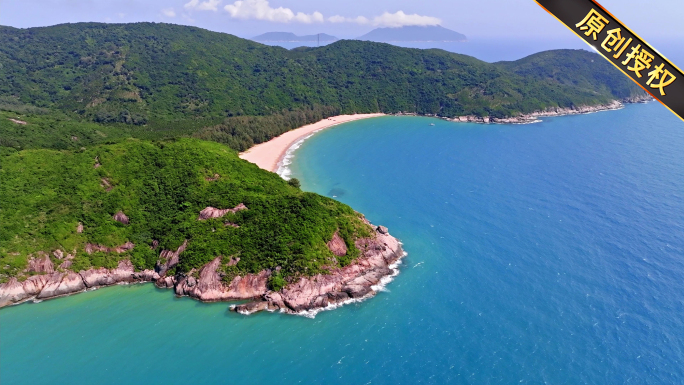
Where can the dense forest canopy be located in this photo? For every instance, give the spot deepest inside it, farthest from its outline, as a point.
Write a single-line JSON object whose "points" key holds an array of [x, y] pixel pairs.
{"points": [[95, 120], [162, 188], [163, 80]]}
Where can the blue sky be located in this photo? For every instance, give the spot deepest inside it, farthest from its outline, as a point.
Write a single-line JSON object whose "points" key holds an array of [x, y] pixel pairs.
{"points": [[653, 20]]}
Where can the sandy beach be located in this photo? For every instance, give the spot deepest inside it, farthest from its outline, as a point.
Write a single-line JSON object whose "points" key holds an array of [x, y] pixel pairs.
{"points": [[267, 155]]}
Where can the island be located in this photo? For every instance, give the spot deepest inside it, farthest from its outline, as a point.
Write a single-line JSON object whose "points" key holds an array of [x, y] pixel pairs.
{"points": [[435, 33]]}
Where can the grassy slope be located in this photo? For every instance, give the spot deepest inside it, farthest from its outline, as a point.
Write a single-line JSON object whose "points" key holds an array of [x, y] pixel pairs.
{"points": [[44, 194]]}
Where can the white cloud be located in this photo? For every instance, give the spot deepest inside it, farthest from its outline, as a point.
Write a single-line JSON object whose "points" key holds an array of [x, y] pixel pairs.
{"points": [[400, 19], [168, 12], [208, 5], [262, 10], [394, 20], [342, 19]]}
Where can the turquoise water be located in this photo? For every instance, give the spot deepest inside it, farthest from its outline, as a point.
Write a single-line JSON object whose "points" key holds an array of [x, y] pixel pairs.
{"points": [[543, 253]]}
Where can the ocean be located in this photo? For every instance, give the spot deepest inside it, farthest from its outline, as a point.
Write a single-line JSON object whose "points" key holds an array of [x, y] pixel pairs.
{"points": [[486, 49], [540, 253], [513, 48]]}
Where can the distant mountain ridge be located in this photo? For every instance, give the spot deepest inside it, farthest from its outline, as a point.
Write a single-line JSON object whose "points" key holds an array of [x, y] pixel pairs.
{"points": [[414, 34], [178, 80], [291, 37]]}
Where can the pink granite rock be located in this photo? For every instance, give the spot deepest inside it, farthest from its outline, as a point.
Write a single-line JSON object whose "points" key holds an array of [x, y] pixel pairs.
{"points": [[337, 245], [212, 212]]}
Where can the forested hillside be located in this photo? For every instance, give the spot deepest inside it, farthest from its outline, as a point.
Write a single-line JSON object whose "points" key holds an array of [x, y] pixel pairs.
{"points": [[160, 80], [64, 200], [574, 68]]}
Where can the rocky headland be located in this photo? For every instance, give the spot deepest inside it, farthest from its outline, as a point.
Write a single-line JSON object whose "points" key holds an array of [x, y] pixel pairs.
{"points": [[551, 112], [360, 279], [534, 116]]}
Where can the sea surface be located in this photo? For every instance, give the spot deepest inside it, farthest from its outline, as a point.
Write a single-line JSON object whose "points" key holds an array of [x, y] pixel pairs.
{"points": [[541, 253], [486, 49], [513, 48]]}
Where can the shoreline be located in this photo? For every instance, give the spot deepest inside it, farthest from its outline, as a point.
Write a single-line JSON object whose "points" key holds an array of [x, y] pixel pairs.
{"points": [[269, 155], [378, 264], [264, 154]]}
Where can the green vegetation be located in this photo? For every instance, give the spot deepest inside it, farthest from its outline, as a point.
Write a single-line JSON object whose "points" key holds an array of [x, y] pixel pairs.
{"points": [[59, 131], [162, 187], [158, 81], [101, 118], [576, 69]]}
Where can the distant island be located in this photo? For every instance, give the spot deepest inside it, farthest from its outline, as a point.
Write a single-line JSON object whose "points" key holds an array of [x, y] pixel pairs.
{"points": [[288, 37], [380, 35], [414, 34]]}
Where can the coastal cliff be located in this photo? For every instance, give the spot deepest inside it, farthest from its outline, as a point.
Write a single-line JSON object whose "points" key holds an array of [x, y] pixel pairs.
{"points": [[305, 294]]}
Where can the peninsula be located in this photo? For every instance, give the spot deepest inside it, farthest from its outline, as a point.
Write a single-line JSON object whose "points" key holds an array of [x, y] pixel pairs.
{"points": [[188, 215]]}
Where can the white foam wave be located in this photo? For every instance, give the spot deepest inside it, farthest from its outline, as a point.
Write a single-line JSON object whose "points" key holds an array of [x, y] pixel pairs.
{"points": [[379, 287], [283, 166]]}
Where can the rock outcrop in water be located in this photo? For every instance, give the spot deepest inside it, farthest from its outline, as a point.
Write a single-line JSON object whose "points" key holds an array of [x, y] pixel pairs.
{"points": [[355, 281]]}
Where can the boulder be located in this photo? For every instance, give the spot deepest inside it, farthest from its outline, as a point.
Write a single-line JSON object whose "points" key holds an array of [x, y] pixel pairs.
{"points": [[213, 212], [169, 259], [42, 264], [251, 307], [12, 292], [337, 245], [60, 284], [121, 218]]}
